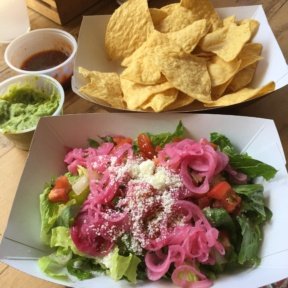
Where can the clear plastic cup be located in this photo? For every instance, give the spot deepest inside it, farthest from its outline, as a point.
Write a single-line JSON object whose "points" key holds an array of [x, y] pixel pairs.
{"points": [[14, 19], [37, 41]]}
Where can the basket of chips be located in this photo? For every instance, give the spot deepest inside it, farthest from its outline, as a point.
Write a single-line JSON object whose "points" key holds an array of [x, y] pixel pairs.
{"points": [[186, 56]]}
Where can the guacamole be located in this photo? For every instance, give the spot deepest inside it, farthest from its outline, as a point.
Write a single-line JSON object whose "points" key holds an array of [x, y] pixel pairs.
{"points": [[22, 106]]}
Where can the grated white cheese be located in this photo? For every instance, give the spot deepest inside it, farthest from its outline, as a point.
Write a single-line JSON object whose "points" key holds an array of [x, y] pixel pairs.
{"points": [[146, 168], [149, 206]]}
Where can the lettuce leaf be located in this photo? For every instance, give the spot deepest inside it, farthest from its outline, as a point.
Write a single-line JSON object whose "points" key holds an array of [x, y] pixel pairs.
{"points": [[242, 161], [162, 139], [131, 272], [220, 218], [83, 268], [60, 214], [54, 265], [253, 201], [251, 242], [167, 137], [53, 214], [122, 266], [49, 215], [252, 216]]}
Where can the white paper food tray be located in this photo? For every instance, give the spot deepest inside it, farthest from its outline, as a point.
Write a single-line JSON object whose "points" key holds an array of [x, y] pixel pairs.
{"points": [[21, 244]]}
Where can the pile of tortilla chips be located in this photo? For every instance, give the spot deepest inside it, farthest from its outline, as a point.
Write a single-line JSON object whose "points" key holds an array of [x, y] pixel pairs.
{"points": [[182, 54]]}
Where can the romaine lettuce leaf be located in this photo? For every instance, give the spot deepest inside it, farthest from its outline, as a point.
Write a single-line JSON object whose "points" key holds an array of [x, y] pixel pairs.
{"points": [[60, 214], [60, 237], [53, 214], [166, 137], [242, 161], [54, 264], [49, 215], [252, 200], [219, 218], [163, 138], [251, 242], [83, 268], [131, 272], [122, 266]]}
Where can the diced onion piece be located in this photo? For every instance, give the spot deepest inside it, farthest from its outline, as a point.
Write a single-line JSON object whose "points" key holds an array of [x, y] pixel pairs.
{"points": [[80, 185]]}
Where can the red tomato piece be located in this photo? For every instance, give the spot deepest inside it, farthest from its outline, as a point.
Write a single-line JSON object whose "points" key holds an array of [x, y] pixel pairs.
{"points": [[62, 182], [145, 145], [219, 191], [120, 140], [58, 195], [232, 201], [224, 196]]}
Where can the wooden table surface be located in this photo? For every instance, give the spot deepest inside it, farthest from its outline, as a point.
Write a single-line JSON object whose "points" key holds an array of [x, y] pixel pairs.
{"points": [[12, 160]]}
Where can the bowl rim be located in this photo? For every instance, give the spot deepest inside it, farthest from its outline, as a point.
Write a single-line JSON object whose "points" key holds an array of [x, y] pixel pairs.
{"points": [[67, 35], [56, 84]]}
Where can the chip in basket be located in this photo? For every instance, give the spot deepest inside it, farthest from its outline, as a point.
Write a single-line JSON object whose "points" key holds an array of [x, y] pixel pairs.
{"points": [[181, 54]]}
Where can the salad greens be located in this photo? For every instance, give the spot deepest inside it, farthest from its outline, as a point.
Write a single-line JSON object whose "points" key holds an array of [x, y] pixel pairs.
{"points": [[243, 162], [240, 228], [165, 138]]}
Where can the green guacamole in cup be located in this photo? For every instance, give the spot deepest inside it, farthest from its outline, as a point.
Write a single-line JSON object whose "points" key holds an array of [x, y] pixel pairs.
{"points": [[22, 106]]}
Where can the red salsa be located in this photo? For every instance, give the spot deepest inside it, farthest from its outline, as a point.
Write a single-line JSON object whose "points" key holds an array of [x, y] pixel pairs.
{"points": [[44, 60]]}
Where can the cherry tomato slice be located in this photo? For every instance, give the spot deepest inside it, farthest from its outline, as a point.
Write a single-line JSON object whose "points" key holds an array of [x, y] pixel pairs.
{"points": [[120, 140], [62, 182], [145, 145], [224, 196], [58, 195], [219, 191]]}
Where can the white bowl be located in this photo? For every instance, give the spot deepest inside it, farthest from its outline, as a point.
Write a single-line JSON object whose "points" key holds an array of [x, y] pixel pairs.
{"points": [[39, 40], [22, 139]]}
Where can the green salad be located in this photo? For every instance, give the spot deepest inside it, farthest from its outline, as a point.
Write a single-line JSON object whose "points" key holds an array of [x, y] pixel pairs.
{"points": [[162, 206]]}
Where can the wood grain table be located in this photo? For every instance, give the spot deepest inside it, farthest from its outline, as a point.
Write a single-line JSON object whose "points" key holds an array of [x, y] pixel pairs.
{"points": [[12, 160]]}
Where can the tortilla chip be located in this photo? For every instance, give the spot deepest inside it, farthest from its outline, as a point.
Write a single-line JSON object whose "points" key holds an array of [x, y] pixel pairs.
{"points": [[182, 100], [188, 37], [178, 19], [169, 8], [254, 26], [144, 63], [218, 91], [128, 29], [228, 41], [242, 78], [203, 10], [144, 67], [145, 70], [228, 20], [187, 12], [135, 95], [157, 15], [250, 54], [188, 74], [158, 102], [103, 87], [154, 41], [242, 96], [221, 71]]}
